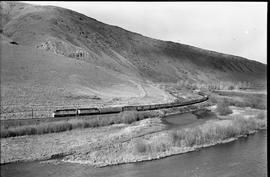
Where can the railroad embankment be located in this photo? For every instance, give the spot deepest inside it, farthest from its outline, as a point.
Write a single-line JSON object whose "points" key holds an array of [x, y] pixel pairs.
{"points": [[12, 128]]}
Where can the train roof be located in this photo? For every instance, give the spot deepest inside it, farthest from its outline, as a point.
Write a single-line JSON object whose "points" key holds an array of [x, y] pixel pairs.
{"points": [[86, 108], [58, 110]]}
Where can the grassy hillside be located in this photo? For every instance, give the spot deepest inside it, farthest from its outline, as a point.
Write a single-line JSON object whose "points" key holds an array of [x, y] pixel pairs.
{"points": [[62, 58], [69, 33], [32, 78]]}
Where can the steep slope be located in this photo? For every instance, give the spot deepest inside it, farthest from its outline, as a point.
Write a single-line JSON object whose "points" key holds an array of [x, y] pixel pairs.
{"points": [[44, 81], [69, 33]]}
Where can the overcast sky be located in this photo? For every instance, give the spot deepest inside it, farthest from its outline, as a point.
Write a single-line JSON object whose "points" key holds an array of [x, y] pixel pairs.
{"points": [[228, 27]]}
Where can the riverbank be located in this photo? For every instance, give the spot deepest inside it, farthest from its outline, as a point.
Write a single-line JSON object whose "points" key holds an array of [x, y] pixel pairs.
{"points": [[143, 140], [237, 158], [167, 143], [48, 146], [144, 158]]}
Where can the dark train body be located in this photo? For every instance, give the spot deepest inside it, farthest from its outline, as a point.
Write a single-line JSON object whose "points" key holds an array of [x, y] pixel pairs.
{"points": [[88, 111], [118, 109], [65, 112]]}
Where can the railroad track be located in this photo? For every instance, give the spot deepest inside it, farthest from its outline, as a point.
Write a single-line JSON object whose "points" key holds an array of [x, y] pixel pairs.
{"points": [[29, 121], [32, 121]]}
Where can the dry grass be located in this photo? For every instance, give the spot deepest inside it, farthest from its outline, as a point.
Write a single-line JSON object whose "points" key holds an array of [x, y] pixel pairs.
{"points": [[210, 132], [261, 116], [253, 100], [126, 117], [212, 99], [140, 146], [223, 107]]}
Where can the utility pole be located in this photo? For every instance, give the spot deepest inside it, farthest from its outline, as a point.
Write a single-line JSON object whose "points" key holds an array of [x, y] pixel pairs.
{"points": [[32, 113]]}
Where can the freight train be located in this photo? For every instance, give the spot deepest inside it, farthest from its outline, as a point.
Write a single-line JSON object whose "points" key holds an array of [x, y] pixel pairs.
{"points": [[118, 109]]}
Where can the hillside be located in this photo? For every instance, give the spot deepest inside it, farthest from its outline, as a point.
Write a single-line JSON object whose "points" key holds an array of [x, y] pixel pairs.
{"points": [[66, 58], [38, 79]]}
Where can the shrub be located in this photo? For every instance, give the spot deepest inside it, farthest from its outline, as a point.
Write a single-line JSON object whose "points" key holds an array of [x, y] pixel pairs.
{"points": [[129, 116], [223, 107], [4, 133], [203, 134], [261, 116], [160, 147], [231, 87], [212, 99], [256, 102], [190, 138], [250, 101], [174, 136], [140, 146]]}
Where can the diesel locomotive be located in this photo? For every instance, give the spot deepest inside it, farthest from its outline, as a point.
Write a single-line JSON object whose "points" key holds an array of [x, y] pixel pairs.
{"points": [[118, 109]]}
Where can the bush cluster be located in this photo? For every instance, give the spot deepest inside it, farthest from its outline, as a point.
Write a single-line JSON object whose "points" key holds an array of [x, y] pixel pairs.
{"points": [[223, 107], [197, 136], [251, 101], [257, 101]]}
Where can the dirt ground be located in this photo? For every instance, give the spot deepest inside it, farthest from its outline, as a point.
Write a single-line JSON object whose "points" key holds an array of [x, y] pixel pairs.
{"points": [[28, 148]]}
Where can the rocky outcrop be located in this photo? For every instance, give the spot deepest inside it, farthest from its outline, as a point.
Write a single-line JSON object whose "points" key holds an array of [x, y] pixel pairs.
{"points": [[59, 47]]}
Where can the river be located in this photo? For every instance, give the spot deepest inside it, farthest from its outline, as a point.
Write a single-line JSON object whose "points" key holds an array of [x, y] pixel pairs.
{"points": [[244, 157]]}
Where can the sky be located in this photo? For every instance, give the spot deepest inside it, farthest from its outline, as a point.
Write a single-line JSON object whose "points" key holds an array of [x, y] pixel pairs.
{"points": [[237, 28]]}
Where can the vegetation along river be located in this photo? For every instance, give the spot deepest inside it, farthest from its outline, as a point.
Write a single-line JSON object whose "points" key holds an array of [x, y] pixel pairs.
{"points": [[244, 157]]}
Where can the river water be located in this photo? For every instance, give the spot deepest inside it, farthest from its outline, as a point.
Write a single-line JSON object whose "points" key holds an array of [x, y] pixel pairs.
{"points": [[244, 157]]}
